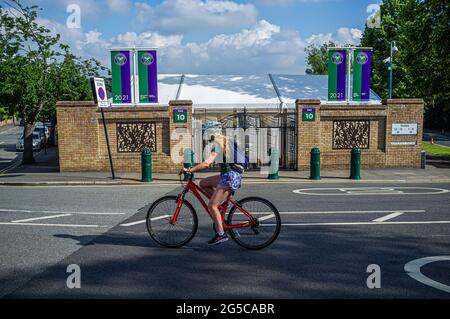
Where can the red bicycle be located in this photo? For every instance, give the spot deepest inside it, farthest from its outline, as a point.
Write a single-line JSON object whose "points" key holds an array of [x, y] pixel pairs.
{"points": [[252, 222]]}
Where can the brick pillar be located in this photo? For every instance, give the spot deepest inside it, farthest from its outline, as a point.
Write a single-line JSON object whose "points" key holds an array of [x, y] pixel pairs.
{"points": [[180, 133], [399, 151], [78, 132], [308, 133]]}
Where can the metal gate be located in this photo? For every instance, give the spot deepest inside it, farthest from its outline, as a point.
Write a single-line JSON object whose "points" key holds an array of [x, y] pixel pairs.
{"points": [[262, 122]]}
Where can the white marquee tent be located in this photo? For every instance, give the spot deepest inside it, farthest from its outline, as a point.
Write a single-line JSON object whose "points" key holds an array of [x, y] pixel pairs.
{"points": [[250, 91]]}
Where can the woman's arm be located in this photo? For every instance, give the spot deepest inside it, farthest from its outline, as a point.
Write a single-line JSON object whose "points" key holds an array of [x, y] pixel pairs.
{"points": [[212, 157]]}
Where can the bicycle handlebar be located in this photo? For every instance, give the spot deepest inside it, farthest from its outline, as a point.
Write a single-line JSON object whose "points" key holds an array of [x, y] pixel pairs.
{"points": [[191, 175]]}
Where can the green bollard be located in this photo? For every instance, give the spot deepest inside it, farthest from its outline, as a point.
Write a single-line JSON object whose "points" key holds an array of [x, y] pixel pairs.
{"points": [[274, 164], [146, 164], [188, 162], [315, 164], [355, 169]]}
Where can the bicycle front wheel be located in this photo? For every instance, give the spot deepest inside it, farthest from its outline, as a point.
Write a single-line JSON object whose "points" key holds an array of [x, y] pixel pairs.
{"points": [[267, 228], [158, 222]]}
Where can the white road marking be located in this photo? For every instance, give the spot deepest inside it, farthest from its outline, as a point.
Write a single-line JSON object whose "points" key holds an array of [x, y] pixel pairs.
{"points": [[365, 223], [354, 191], [396, 213], [55, 212], [387, 217], [5, 132], [412, 268], [266, 217], [55, 225], [39, 218], [144, 220], [133, 223], [344, 212]]}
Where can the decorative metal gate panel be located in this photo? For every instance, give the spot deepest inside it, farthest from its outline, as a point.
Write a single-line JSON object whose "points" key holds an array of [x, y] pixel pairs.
{"points": [[262, 122]]}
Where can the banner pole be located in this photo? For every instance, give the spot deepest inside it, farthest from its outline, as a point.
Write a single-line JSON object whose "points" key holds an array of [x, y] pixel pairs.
{"points": [[350, 53], [107, 143]]}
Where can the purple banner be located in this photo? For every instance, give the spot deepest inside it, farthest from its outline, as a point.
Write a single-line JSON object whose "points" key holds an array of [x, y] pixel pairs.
{"points": [[337, 74], [126, 78], [361, 74], [121, 76], [148, 76]]}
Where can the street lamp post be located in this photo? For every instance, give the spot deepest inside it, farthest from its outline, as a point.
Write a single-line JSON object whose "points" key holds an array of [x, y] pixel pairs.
{"points": [[394, 49]]}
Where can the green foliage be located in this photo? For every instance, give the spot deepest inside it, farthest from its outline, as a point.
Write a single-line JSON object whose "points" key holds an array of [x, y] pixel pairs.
{"points": [[4, 114], [317, 58], [421, 67], [36, 69]]}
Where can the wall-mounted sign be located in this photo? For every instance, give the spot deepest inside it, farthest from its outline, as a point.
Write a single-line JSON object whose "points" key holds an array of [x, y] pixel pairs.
{"points": [[180, 116], [99, 90], [309, 114], [121, 77], [361, 74], [404, 129], [337, 74], [147, 76], [404, 143]]}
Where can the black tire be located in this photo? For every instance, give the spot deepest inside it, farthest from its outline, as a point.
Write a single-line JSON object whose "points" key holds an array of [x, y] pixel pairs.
{"points": [[244, 236], [158, 235]]}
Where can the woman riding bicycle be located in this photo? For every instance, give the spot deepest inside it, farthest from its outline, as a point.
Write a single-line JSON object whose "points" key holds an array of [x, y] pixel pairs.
{"points": [[222, 185]]}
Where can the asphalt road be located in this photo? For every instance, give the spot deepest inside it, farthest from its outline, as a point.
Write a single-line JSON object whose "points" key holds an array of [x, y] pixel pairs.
{"points": [[8, 139], [329, 237]]}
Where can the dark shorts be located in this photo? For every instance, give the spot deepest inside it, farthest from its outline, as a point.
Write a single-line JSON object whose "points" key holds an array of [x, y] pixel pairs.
{"points": [[231, 179]]}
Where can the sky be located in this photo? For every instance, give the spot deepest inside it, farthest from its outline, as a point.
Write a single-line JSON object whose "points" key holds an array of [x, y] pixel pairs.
{"points": [[207, 36]]}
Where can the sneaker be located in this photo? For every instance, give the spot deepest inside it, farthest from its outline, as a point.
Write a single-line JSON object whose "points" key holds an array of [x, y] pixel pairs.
{"points": [[218, 239]]}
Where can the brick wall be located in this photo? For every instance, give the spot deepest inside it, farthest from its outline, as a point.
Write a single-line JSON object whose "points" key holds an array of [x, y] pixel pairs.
{"points": [[380, 151], [82, 142]]}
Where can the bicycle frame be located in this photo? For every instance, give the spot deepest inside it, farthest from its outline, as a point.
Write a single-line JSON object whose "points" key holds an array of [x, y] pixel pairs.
{"points": [[197, 190]]}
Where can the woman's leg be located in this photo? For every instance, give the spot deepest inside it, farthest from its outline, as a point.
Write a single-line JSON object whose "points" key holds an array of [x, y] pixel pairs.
{"points": [[209, 184], [220, 194]]}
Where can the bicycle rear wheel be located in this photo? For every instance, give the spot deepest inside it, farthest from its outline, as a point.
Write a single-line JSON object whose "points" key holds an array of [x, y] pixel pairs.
{"points": [[166, 234], [268, 223]]}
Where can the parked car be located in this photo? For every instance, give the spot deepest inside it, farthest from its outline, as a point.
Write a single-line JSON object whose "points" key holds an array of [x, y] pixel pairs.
{"points": [[46, 128], [38, 142]]}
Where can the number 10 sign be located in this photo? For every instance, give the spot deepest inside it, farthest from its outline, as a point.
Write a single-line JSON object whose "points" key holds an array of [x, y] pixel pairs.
{"points": [[180, 116], [309, 114]]}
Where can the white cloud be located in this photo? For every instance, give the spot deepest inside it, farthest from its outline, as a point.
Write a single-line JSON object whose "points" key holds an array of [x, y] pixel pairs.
{"points": [[262, 48], [286, 2], [88, 8], [147, 39], [181, 16], [119, 6], [342, 36]]}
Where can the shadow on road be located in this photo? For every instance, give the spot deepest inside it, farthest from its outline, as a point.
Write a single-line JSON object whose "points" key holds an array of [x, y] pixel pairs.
{"points": [[304, 262]]}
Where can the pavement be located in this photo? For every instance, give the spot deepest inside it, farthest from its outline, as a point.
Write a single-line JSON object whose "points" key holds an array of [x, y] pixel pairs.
{"points": [[46, 172]]}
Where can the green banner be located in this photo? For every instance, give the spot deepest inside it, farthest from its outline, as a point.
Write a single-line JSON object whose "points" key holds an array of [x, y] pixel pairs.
{"points": [[147, 76], [121, 77], [337, 74], [361, 74]]}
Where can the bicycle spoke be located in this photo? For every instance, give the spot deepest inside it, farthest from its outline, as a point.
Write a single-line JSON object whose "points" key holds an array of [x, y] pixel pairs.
{"points": [[163, 231], [259, 236]]}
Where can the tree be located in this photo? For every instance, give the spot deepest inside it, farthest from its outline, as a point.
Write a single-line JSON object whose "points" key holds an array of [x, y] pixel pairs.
{"points": [[421, 67], [317, 58], [31, 86], [37, 70]]}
